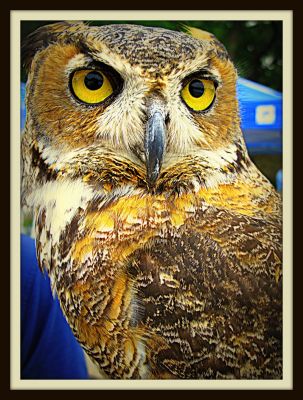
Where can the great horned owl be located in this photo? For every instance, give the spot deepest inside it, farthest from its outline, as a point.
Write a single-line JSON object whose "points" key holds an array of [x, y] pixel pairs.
{"points": [[161, 238]]}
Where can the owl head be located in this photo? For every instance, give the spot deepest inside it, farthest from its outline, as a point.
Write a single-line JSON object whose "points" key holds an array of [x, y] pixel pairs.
{"points": [[130, 105]]}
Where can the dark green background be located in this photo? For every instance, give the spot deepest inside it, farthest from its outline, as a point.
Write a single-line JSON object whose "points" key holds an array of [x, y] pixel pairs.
{"points": [[254, 46]]}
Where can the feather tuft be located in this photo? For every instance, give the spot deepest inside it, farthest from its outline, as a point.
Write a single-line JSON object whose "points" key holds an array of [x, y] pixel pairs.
{"points": [[197, 33]]}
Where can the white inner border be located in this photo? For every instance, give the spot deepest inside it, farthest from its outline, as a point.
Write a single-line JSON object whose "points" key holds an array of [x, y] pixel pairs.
{"points": [[286, 16]]}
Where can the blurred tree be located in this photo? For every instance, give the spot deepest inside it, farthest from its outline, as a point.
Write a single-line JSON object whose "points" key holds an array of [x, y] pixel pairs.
{"points": [[254, 46]]}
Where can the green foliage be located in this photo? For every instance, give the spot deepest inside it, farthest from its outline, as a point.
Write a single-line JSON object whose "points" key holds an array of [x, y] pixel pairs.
{"points": [[254, 46]]}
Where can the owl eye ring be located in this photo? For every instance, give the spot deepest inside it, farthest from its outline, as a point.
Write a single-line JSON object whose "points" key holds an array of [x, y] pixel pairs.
{"points": [[91, 86], [199, 94]]}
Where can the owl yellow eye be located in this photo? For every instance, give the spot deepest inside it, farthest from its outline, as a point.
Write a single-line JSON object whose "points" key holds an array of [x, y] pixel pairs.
{"points": [[199, 94], [91, 86]]}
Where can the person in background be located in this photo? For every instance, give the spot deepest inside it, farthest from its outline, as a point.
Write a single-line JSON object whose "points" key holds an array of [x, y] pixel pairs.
{"points": [[48, 348]]}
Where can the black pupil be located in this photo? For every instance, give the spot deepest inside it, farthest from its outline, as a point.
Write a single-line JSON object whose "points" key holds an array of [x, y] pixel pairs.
{"points": [[196, 88], [93, 80]]}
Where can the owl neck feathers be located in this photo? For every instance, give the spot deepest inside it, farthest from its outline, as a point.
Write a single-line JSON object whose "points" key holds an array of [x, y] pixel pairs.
{"points": [[195, 179], [108, 170]]}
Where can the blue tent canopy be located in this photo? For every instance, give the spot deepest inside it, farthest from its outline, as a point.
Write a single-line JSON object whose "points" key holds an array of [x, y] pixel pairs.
{"points": [[260, 111], [261, 117]]}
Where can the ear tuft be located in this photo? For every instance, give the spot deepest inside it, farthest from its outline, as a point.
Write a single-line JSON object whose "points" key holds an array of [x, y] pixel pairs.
{"points": [[197, 33], [43, 37]]}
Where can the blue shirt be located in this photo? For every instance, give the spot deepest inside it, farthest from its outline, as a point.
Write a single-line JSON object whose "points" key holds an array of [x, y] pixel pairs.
{"points": [[48, 348]]}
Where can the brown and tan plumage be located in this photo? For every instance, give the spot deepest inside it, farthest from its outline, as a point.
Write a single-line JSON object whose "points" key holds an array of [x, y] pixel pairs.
{"points": [[161, 238]]}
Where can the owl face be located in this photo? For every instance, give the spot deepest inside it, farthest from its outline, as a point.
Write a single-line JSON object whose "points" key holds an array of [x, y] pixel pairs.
{"points": [[145, 97]]}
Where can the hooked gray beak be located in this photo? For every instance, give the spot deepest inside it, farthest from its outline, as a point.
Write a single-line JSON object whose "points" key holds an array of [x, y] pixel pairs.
{"points": [[154, 143]]}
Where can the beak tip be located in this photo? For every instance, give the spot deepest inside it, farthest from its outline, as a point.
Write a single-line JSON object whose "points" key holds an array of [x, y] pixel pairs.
{"points": [[152, 175]]}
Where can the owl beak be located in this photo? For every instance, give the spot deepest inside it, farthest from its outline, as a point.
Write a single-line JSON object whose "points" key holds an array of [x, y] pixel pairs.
{"points": [[154, 144]]}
